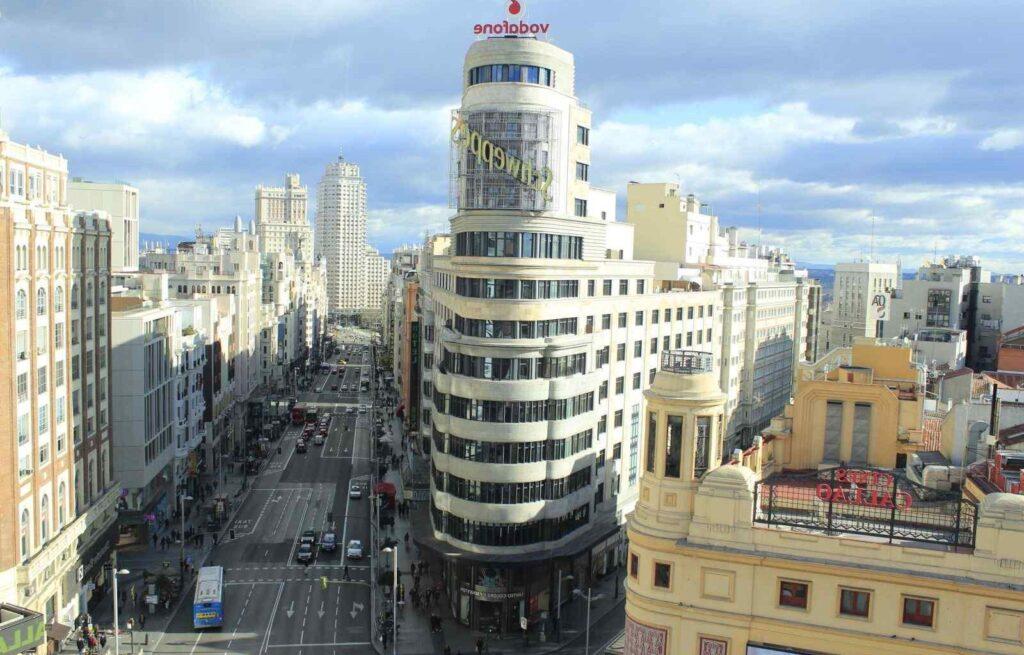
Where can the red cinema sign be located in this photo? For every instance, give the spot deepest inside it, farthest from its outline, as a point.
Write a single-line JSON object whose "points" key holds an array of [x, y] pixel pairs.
{"points": [[867, 488]]}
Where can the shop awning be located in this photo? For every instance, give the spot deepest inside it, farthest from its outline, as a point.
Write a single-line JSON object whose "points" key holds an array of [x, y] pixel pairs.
{"points": [[57, 632]]}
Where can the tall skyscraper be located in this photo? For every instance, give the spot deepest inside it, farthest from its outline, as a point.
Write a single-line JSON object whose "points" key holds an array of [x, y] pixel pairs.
{"points": [[281, 220], [341, 234]]}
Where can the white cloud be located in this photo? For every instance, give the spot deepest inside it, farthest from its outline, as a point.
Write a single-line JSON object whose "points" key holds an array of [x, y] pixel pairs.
{"points": [[1006, 139], [121, 110]]}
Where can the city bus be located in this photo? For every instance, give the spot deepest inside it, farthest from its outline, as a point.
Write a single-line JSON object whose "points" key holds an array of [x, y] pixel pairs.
{"points": [[207, 610]]}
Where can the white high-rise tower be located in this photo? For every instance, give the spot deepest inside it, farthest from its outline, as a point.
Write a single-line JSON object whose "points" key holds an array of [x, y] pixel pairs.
{"points": [[341, 234]]}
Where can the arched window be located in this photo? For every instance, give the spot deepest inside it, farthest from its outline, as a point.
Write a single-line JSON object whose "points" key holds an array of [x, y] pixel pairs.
{"points": [[58, 299], [41, 302], [21, 304], [44, 515], [61, 504], [25, 532], [74, 296]]}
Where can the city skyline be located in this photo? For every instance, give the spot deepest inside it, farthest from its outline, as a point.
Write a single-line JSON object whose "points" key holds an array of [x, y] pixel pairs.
{"points": [[822, 127]]}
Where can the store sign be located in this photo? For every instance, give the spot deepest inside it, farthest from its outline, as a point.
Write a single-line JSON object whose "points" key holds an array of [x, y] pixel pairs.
{"points": [[22, 635], [644, 640], [495, 158], [880, 307], [483, 593], [869, 488], [506, 27]]}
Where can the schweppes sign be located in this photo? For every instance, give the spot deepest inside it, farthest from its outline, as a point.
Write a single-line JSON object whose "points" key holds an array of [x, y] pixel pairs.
{"points": [[495, 158]]}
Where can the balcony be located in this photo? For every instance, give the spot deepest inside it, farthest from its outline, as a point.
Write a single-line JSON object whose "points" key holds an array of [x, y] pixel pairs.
{"points": [[687, 361]]}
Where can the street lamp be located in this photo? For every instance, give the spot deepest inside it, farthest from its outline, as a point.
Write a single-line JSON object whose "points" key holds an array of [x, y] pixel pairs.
{"points": [[558, 604], [183, 498], [117, 625], [394, 597], [578, 592]]}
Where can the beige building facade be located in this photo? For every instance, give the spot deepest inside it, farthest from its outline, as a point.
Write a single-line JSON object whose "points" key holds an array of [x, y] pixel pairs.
{"points": [[784, 550], [57, 492], [120, 201]]}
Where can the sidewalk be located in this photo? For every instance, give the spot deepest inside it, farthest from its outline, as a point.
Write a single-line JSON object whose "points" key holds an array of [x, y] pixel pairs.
{"points": [[414, 635], [139, 558]]}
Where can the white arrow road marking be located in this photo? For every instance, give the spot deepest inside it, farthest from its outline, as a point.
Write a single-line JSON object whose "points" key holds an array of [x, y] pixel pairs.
{"points": [[356, 609], [291, 610], [320, 612]]}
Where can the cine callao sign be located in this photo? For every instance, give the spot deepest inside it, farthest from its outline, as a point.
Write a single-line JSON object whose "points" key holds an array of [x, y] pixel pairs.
{"points": [[847, 490], [494, 157]]}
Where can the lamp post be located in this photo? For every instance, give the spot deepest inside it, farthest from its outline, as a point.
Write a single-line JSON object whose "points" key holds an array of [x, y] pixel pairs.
{"points": [[394, 597], [182, 499], [589, 597], [117, 625], [558, 605]]}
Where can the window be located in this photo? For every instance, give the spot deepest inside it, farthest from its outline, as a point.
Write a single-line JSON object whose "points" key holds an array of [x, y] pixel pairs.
{"points": [[582, 135], [918, 611], [634, 565], [591, 284], [58, 335], [639, 318], [581, 207], [636, 380], [854, 602], [640, 287], [620, 352], [620, 385], [21, 304], [622, 319], [606, 287], [58, 299], [618, 418], [606, 322], [41, 302], [673, 447], [602, 391], [654, 345], [22, 387], [662, 575], [61, 502], [793, 594], [25, 521], [623, 287], [41, 385], [652, 438], [582, 171]]}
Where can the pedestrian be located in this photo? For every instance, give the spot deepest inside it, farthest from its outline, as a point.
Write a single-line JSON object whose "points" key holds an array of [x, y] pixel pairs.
{"points": [[142, 620], [345, 574], [155, 538], [479, 645], [80, 645]]}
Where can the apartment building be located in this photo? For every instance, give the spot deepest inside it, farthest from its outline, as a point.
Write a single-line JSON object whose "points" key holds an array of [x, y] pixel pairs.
{"points": [[405, 261], [282, 221], [224, 270], [377, 268], [120, 201], [770, 309], [57, 491], [861, 301], [814, 541]]}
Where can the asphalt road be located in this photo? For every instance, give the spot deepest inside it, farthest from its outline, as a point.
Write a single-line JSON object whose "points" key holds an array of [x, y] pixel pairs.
{"points": [[272, 604]]}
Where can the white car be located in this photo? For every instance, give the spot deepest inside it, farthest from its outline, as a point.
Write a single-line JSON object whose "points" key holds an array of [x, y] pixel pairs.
{"points": [[355, 491], [354, 549]]}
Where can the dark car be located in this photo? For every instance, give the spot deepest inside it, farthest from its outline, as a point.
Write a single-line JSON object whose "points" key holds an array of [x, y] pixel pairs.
{"points": [[308, 537], [300, 446], [329, 542], [334, 387]]}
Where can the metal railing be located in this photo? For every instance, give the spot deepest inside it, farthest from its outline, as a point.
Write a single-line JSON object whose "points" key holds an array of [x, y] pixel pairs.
{"points": [[687, 361]]}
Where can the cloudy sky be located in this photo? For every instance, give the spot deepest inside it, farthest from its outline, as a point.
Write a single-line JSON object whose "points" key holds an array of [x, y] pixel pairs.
{"points": [[829, 115]]}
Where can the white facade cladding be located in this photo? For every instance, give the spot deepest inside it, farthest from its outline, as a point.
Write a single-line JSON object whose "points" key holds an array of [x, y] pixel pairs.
{"points": [[341, 234], [121, 203], [281, 220], [539, 333]]}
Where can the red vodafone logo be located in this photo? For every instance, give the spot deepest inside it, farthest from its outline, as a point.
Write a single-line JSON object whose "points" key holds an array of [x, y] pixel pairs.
{"points": [[505, 27]]}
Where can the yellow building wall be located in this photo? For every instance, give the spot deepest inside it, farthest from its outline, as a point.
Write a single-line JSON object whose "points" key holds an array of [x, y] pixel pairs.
{"points": [[660, 233]]}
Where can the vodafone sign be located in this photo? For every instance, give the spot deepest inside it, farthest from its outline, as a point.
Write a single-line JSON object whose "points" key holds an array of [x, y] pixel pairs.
{"points": [[517, 28]]}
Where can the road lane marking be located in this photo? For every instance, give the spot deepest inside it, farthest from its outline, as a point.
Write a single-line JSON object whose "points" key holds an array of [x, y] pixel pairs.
{"points": [[325, 645], [270, 623]]}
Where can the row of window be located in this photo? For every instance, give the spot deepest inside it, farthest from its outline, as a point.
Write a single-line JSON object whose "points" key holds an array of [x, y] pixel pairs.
{"points": [[520, 452], [511, 73], [511, 368], [472, 287], [511, 493], [509, 534], [518, 244], [491, 329], [513, 411]]}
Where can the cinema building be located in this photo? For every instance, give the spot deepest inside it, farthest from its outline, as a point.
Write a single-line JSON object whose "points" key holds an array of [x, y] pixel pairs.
{"points": [[815, 541], [539, 333]]}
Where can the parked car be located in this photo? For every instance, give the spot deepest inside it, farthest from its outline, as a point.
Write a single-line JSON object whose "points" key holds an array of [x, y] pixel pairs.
{"points": [[354, 550]]}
